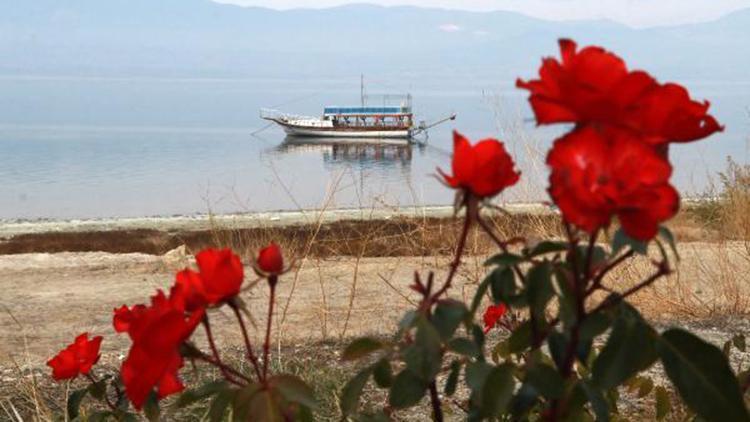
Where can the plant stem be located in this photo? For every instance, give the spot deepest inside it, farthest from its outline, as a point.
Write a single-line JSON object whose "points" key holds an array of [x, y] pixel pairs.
{"points": [[662, 271], [502, 245], [217, 359], [248, 346], [600, 276], [581, 277], [267, 343], [457, 257], [437, 408], [106, 397]]}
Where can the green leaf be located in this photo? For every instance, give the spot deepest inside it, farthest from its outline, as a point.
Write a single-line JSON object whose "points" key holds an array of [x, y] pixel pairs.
{"points": [[663, 405], [360, 348], [539, 290], [621, 240], [478, 335], [598, 255], [476, 374], [294, 390], [406, 323], [630, 348], [382, 373], [503, 288], [546, 247], [526, 397], [151, 408], [353, 390], [520, 338], [464, 346], [447, 317], [74, 402], [598, 402], [424, 356], [452, 382], [504, 260], [702, 376], [497, 390], [500, 351], [263, 407], [304, 414], [98, 389], [206, 390], [567, 298], [407, 390], [546, 380], [479, 294], [240, 401], [558, 347], [594, 325], [667, 235]]}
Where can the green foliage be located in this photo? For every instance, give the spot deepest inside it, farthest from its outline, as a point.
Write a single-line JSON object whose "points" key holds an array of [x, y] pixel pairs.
{"points": [[74, 402], [407, 390], [630, 348], [564, 354], [702, 375], [360, 348]]}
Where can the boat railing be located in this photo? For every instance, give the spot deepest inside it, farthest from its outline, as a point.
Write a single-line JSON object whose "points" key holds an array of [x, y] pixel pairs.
{"points": [[272, 114]]}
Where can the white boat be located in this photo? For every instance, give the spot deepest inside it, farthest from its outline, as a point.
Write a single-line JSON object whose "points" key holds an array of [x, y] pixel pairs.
{"points": [[350, 122]]}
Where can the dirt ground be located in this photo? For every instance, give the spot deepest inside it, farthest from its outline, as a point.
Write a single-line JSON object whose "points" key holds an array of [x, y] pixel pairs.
{"points": [[48, 298]]}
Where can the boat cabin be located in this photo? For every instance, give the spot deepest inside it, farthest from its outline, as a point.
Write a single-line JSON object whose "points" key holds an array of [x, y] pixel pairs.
{"points": [[368, 116]]}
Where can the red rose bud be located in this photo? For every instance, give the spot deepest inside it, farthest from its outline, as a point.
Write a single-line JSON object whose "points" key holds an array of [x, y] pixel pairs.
{"points": [[484, 169], [595, 176], [492, 315], [594, 86], [270, 260], [154, 359], [77, 358]]}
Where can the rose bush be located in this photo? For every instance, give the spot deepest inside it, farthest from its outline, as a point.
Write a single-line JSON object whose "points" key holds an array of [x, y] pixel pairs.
{"points": [[570, 339], [160, 334]]}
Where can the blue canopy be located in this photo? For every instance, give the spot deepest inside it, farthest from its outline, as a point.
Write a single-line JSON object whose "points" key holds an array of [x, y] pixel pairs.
{"points": [[366, 110]]}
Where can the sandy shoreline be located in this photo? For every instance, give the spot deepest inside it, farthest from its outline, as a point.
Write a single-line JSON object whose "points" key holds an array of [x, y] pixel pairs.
{"points": [[10, 228]]}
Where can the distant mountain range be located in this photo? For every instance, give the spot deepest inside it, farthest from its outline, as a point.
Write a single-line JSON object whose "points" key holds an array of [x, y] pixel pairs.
{"points": [[200, 38]]}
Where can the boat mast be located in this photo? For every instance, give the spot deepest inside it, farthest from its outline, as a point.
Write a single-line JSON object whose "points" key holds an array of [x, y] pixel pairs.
{"points": [[362, 89]]}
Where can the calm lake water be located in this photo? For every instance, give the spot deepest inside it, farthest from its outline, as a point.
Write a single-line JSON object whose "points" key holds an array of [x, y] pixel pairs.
{"points": [[87, 148]]}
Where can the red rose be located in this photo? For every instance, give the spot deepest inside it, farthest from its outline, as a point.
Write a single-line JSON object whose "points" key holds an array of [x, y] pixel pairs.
{"points": [[157, 331], [484, 169], [668, 114], [124, 316], [270, 260], [221, 276], [596, 175], [492, 315], [77, 358], [594, 86], [189, 290]]}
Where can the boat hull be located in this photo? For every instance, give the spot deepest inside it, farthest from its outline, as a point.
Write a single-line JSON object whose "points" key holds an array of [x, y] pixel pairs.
{"points": [[342, 132]]}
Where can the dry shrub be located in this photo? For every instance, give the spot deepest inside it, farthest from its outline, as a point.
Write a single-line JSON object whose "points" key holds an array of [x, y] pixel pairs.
{"points": [[726, 209]]}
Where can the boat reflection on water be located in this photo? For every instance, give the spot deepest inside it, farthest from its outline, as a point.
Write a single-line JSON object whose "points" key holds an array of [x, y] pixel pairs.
{"points": [[359, 153]]}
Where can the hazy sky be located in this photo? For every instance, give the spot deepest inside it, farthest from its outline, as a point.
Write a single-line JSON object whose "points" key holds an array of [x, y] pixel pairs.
{"points": [[637, 13]]}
